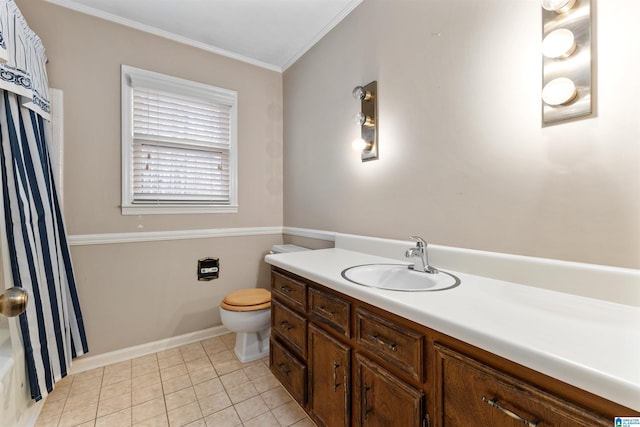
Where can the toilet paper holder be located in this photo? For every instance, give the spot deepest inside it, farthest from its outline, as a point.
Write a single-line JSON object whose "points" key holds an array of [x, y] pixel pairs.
{"points": [[208, 269]]}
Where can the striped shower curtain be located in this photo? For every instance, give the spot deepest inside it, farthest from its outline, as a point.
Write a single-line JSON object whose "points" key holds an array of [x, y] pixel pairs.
{"points": [[52, 328]]}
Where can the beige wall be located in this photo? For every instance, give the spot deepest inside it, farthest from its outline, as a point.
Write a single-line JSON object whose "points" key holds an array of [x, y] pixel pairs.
{"points": [[464, 160], [134, 293]]}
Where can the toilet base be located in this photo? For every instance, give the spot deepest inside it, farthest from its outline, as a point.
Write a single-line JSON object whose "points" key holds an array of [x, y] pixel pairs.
{"points": [[252, 346]]}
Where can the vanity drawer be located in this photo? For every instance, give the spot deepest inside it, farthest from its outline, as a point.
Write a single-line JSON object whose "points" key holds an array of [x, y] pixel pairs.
{"points": [[391, 341], [289, 370], [290, 326], [330, 310], [292, 292], [472, 393]]}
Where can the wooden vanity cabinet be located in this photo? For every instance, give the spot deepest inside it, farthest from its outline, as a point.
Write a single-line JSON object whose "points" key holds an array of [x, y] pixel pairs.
{"points": [[472, 393], [349, 363]]}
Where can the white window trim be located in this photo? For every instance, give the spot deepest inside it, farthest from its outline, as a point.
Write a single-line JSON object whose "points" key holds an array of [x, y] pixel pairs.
{"points": [[131, 76]]}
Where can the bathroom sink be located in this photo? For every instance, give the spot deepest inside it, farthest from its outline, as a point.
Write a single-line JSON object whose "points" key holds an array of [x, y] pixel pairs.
{"points": [[398, 277]]}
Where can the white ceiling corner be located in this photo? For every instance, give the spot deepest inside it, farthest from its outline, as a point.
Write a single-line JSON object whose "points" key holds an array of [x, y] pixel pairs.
{"points": [[272, 34]]}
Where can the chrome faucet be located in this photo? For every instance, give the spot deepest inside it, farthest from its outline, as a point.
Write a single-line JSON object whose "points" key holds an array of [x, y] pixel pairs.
{"points": [[421, 262]]}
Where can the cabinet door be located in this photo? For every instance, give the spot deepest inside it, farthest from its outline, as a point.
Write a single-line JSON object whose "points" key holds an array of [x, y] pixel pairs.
{"points": [[329, 379], [383, 400], [471, 393]]}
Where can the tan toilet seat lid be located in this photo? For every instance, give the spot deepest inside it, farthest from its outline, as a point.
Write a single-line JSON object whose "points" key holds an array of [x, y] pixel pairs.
{"points": [[247, 300]]}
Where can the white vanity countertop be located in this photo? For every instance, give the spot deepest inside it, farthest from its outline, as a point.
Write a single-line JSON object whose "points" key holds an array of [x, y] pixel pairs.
{"points": [[589, 343]]}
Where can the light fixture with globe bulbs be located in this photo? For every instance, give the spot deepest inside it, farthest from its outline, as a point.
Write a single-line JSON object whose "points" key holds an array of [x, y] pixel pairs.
{"points": [[367, 119], [566, 59]]}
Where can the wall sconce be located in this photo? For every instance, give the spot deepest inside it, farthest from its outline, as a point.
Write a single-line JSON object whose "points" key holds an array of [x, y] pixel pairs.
{"points": [[566, 62], [367, 119]]}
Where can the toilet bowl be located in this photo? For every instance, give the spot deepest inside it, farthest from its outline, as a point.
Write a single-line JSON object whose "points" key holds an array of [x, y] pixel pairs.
{"points": [[247, 312]]}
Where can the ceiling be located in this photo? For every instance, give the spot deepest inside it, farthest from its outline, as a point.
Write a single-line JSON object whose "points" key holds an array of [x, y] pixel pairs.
{"points": [[269, 33]]}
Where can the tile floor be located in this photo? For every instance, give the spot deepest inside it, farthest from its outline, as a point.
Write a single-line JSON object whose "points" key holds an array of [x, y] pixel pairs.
{"points": [[198, 385]]}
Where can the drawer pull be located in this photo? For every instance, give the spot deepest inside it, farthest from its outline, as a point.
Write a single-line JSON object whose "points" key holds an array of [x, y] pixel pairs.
{"points": [[335, 376], [286, 325], [365, 409], [494, 403], [282, 367], [322, 309], [378, 340], [285, 289]]}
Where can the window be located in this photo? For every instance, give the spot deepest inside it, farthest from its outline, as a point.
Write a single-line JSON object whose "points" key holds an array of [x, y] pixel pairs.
{"points": [[178, 145]]}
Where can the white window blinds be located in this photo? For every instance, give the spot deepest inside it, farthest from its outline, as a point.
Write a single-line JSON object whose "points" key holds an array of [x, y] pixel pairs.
{"points": [[182, 145]]}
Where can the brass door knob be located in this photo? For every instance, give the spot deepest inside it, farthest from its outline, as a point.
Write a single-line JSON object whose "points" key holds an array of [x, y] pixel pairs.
{"points": [[13, 301]]}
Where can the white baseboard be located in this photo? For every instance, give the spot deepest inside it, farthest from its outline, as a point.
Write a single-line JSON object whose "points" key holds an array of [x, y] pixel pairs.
{"points": [[86, 363]]}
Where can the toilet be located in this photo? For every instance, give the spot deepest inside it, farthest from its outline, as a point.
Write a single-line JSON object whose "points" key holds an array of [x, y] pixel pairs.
{"points": [[247, 312]]}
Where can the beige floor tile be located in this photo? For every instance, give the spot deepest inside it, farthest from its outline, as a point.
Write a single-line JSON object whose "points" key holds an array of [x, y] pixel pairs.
{"points": [[198, 364], [145, 380], [52, 408], [196, 353], [275, 397], [144, 360], [265, 383], [241, 392], [168, 353], [175, 384], [97, 372], [225, 418], [226, 367], [305, 422], [289, 413], [184, 415], [264, 420], [50, 421], [117, 389], [256, 370], [207, 388], [214, 403], [112, 377], [81, 386], [180, 398], [78, 416], [145, 394], [197, 385], [223, 356], [169, 361], [60, 392], [234, 379], [117, 419], [81, 400], [148, 368], [149, 409], [173, 371], [229, 340], [251, 408], [203, 375], [114, 404], [157, 421], [197, 423]]}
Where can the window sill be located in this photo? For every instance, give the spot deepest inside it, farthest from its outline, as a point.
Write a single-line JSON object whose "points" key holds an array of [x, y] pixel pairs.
{"points": [[173, 210]]}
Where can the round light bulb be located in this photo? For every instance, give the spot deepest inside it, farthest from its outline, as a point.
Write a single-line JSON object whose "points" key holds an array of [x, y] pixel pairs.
{"points": [[558, 44], [558, 6], [559, 91], [361, 93], [360, 144], [360, 118]]}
